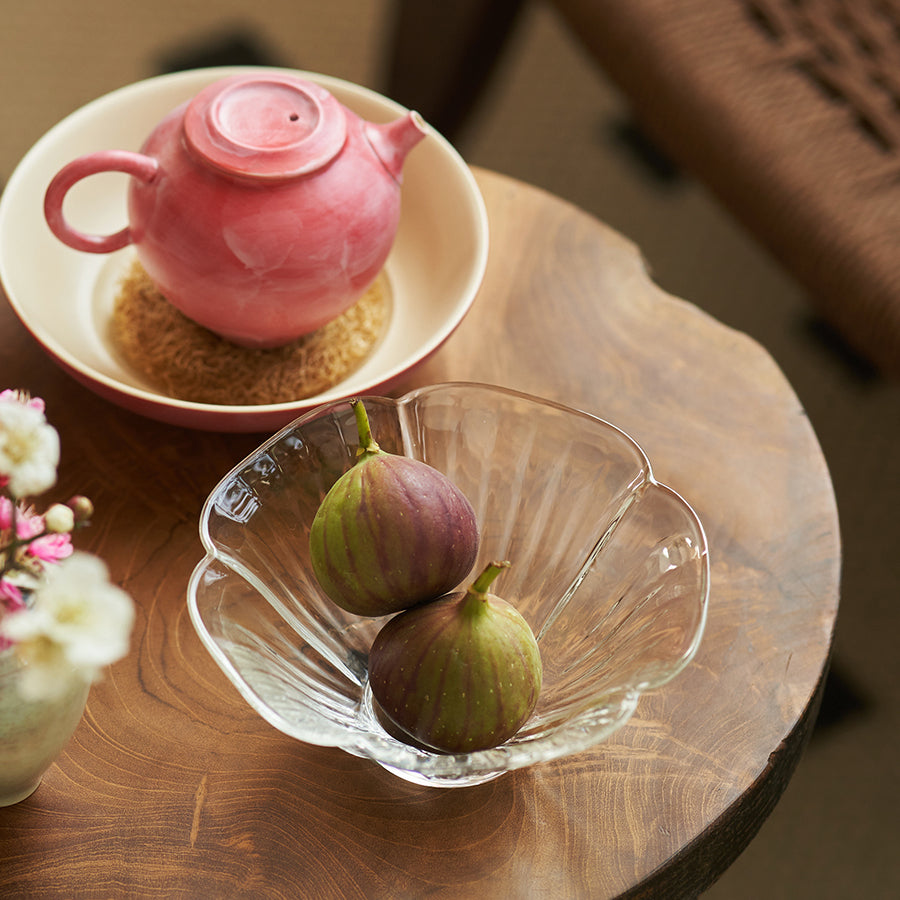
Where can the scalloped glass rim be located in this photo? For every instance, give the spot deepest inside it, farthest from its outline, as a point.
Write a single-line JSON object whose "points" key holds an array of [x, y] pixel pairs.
{"points": [[610, 568]]}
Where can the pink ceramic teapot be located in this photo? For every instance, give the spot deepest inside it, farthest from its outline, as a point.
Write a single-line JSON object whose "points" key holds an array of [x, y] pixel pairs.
{"points": [[262, 208]]}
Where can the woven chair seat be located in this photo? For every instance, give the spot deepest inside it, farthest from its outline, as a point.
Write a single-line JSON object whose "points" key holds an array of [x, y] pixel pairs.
{"points": [[789, 110]]}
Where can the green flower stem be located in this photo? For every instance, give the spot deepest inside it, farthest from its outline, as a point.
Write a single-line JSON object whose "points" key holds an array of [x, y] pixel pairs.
{"points": [[9, 559]]}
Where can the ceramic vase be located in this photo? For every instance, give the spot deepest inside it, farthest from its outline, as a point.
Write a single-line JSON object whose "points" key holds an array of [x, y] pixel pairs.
{"points": [[32, 732]]}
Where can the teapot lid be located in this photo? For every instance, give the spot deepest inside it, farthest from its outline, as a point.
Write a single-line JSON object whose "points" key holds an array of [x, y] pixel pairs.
{"points": [[271, 127]]}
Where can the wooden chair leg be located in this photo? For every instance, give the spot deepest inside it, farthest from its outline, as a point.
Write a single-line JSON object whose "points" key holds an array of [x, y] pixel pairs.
{"points": [[441, 56]]}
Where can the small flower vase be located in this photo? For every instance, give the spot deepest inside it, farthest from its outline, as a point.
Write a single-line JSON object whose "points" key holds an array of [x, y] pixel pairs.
{"points": [[32, 732]]}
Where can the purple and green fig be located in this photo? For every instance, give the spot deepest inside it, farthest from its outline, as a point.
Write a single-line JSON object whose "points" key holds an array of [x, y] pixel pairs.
{"points": [[460, 674], [391, 533]]}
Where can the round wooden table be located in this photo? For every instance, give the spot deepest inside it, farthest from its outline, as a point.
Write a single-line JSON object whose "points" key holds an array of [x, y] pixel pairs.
{"points": [[173, 787]]}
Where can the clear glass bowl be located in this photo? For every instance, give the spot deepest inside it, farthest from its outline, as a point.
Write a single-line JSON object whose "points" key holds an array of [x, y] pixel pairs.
{"points": [[609, 567]]}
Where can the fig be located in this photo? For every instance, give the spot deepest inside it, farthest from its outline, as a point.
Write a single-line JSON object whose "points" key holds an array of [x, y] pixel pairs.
{"points": [[391, 532], [459, 674]]}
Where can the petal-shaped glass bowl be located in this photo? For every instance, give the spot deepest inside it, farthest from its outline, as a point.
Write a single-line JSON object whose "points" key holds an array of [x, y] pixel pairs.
{"points": [[609, 567]]}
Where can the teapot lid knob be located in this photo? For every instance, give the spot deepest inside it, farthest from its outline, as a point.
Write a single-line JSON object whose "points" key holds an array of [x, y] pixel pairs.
{"points": [[269, 127]]}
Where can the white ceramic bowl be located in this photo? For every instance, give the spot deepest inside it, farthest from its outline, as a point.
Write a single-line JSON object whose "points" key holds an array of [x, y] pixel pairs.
{"points": [[609, 567], [65, 297]]}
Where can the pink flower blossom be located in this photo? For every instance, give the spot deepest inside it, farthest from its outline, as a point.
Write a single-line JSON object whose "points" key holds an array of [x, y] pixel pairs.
{"points": [[28, 522], [51, 547]]}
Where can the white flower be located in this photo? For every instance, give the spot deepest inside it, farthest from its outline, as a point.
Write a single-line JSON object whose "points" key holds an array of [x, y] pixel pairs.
{"points": [[77, 620], [29, 448]]}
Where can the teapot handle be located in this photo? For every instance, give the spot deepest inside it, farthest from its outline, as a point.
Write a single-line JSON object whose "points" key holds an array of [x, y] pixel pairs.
{"points": [[143, 167]]}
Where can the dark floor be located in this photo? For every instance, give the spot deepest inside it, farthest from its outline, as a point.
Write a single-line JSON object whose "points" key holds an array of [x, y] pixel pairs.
{"points": [[549, 118]]}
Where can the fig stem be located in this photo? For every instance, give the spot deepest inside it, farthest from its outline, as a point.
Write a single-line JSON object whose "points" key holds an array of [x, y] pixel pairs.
{"points": [[486, 578], [367, 444], [476, 599]]}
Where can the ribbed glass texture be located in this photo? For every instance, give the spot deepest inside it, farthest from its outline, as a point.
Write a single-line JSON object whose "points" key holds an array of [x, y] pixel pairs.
{"points": [[609, 567]]}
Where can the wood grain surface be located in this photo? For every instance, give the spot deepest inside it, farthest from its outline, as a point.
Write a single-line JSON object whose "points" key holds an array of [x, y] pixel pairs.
{"points": [[173, 787]]}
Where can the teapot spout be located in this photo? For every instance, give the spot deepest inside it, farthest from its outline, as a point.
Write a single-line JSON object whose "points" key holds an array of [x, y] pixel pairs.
{"points": [[392, 141]]}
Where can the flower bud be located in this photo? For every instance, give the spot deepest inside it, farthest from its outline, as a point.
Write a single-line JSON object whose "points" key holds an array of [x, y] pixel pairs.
{"points": [[59, 519], [81, 507]]}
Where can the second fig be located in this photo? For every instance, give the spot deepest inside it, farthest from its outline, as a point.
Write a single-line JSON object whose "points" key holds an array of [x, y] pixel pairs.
{"points": [[460, 674]]}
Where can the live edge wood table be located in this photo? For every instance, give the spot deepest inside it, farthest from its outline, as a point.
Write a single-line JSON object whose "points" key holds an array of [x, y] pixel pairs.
{"points": [[173, 787]]}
